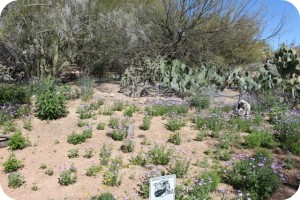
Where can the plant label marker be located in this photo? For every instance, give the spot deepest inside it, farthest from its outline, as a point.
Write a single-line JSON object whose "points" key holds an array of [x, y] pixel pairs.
{"points": [[162, 187]]}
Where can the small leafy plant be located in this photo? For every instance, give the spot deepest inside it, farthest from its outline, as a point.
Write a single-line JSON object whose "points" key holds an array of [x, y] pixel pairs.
{"points": [[260, 139], [130, 110], [111, 176], [18, 141], [100, 126], [49, 172], [113, 122], [27, 124], [82, 123], [180, 168], [15, 180], [200, 102], [88, 153], [43, 166], [68, 177], [146, 122], [12, 164], [175, 138], [105, 153], [73, 153], [118, 106], [175, 124], [128, 146], [158, 155], [93, 170], [104, 196]]}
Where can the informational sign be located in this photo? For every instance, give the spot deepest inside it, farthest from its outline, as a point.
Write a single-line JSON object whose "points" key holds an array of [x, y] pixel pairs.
{"points": [[162, 188]]}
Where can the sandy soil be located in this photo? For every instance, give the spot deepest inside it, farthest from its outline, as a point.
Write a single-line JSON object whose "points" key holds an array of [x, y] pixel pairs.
{"points": [[44, 149]]}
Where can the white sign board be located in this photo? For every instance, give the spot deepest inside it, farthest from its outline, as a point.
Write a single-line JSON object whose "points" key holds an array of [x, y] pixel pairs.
{"points": [[162, 188]]}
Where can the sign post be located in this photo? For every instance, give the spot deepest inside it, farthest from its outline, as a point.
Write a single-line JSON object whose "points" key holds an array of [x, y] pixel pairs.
{"points": [[163, 187]]}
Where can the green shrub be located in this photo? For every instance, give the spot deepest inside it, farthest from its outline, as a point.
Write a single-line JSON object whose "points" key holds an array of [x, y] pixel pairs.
{"points": [[130, 110], [68, 177], [88, 153], [105, 153], [200, 102], [180, 168], [82, 123], [73, 153], [8, 127], [175, 123], [160, 109], [49, 172], [203, 184], [43, 166], [12, 164], [118, 106], [5, 116], [158, 155], [260, 139], [241, 124], [104, 196], [139, 159], [114, 122], [51, 104], [107, 111], [175, 138], [14, 94], [287, 131], [128, 146], [100, 126], [18, 141], [85, 112], [119, 133], [213, 122], [75, 138], [15, 180], [146, 122], [93, 170], [259, 176], [87, 133], [111, 176], [27, 124], [200, 136]]}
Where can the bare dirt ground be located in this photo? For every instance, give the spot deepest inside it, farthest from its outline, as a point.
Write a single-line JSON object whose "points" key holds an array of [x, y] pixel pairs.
{"points": [[49, 146]]}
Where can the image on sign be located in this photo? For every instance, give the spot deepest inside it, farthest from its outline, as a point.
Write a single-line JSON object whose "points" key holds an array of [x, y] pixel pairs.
{"points": [[162, 187]]}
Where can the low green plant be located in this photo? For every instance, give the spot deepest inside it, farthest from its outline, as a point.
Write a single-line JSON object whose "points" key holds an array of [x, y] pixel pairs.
{"points": [[130, 110], [223, 154], [289, 163], [111, 176], [105, 153], [200, 136], [144, 188], [104, 196], [200, 102], [75, 138], [118, 106], [88, 153], [158, 155], [68, 177], [119, 133], [82, 123], [146, 122], [260, 139], [139, 159], [34, 187], [18, 141], [241, 124], [87, 133], [95, 105], [73, 153], [85, 112], [114, 122], [128, 145], [107, 111], [43, 166], [15, 180], [93, 170], [180, 168], [160, 109], [214, 122], [24, 111], [12, 164], [100, 126], [49, 172], [5, 116], [8, 127], [27, 124], [175, 138], [175, 124]]}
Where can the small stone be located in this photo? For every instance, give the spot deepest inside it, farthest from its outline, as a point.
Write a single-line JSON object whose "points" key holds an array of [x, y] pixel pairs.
{"points": [[111, 94]]}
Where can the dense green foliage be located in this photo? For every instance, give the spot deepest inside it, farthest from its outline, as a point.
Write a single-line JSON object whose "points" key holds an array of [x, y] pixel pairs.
{"points": [[14, 94]]}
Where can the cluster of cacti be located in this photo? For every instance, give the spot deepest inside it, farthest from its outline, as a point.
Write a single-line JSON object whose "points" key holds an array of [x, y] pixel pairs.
{"points": [[184, 79]]}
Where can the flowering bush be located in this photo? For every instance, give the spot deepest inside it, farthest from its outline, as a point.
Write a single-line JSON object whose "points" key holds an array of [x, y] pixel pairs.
{"points": [[255, 177], [287, 129], [159, 156]]}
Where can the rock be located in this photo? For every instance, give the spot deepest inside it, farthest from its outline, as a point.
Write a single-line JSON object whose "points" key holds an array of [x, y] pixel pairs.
{"points": [[111, 94]]}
